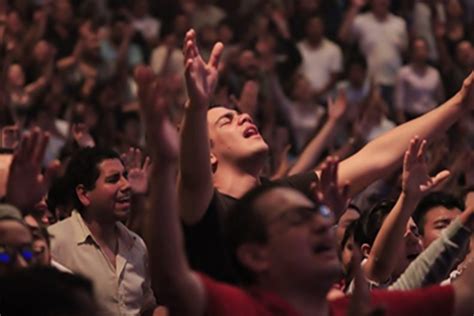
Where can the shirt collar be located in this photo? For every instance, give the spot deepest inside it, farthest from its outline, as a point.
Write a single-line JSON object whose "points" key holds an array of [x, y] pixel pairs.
{"points": [[82, 234]]}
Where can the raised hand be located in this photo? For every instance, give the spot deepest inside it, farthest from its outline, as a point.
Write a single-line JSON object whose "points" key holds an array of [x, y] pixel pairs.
{"points": [[26, 185], [337, 108], [248, 98], [81, 135], [201, 77], [162, 136], [415, 179], [327, 190], [138, 173], [467, 92]]}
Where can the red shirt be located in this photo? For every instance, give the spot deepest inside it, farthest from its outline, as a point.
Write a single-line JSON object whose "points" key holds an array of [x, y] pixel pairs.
{"points": [[228, 300]]}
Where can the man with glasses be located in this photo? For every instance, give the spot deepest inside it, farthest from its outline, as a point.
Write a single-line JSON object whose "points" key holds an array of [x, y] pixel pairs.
{"points": [[16, 241]]}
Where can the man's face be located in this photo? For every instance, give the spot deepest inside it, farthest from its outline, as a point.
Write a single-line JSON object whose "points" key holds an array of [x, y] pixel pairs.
{"points": [[435, 220], [315, 29], [234, 137], [465, 54], [380, 6], [420, 51], [15, 246], [110, 199], [301, 246], [40, 245]]}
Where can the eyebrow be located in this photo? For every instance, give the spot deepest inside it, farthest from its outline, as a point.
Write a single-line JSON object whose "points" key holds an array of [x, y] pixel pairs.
{"points": [[442, 220], [228, 114]]}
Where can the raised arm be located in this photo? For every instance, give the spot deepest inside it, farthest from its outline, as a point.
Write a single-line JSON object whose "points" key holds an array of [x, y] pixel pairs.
{"points": [[415, 183], [384, 154], [312, 152], [172, 280], [352, 11], [195, 186]]}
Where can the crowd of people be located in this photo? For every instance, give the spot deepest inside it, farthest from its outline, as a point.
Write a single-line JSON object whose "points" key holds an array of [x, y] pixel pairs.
{"points": [[201, 157]]}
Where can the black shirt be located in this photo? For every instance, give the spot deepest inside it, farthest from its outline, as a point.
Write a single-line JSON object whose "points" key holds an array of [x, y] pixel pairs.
{"points": [[205, 244]]}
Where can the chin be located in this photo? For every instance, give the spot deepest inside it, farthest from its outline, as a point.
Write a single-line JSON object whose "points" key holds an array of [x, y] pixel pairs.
{"points": [[122, 215]]}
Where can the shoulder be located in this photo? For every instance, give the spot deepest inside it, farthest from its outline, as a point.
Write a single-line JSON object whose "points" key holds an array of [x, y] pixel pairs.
{"points": [[396, 20], [332, 45], [62, 227]]}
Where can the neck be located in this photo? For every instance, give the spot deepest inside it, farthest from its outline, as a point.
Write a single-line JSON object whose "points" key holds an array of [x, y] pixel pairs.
{"points": [[235, 181], [419, 66], [380, 15], [315, 42], [104, 232]]}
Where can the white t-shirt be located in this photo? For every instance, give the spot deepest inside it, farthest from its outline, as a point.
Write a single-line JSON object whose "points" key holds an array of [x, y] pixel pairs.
{"points": [[321, 62], [418, 93], [382, 43]]}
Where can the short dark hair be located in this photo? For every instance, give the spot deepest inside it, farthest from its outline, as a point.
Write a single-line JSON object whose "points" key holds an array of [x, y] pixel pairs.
{"points": [[244, 223], [369, 224], [45, 291], [433, 200], [83, 169]]}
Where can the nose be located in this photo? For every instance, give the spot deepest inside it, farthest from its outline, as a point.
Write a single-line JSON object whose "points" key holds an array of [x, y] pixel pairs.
{"points": [[124, 183], [244, 117]]}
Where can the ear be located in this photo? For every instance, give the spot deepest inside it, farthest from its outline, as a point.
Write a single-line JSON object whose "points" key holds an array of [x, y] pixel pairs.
{"points": [[213, 162], [254, 257], [83, 195], [365, 250]]}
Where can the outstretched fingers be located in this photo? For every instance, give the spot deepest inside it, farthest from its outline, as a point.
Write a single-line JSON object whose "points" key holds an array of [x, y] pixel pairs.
{"points": [[216, 55]]}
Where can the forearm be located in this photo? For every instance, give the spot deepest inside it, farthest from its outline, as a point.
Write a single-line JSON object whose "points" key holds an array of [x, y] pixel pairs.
{"points": [[172, 279], [344, 31], [434, 264], [310, 155], [384, 252], [384, 154], [195, 173]]}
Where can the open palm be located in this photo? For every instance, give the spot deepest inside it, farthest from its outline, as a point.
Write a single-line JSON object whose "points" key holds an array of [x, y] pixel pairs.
{"points": [[416, 179], [201, 77]]}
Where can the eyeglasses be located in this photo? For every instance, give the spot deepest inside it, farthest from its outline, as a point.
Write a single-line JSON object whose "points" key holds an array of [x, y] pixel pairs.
{"points": [[302, 215], [8, 254]]}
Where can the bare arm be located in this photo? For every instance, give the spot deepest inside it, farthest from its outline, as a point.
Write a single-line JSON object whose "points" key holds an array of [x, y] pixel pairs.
{"points": [[415, 183], [345, 29], [195, 186], [172, 279], [384, 154], [310, 155]]}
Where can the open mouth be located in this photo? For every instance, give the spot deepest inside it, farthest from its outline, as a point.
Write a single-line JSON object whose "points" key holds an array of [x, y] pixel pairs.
{"points": [[123, 199], [250, 131]]}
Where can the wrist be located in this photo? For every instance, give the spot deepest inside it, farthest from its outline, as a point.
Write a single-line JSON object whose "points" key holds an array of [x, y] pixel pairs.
{"points": [[409, 197]]}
